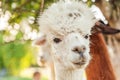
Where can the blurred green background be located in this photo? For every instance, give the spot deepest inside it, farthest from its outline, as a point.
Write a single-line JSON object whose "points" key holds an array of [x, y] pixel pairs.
{"points": [[18, 29]]}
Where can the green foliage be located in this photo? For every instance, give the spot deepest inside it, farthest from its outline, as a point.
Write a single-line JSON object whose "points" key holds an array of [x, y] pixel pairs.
{"points": [[16, 56], [89, 3], [21, 8], [1, 37]]}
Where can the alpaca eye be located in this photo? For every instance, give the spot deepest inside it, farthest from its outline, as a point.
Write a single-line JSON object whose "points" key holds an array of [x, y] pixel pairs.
{"points": [[86, 36], [57, 40]]}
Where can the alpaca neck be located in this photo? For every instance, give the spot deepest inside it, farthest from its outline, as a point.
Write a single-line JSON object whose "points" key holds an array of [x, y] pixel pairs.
{"points": [[100, 67], [52, 76], [63, 74]]}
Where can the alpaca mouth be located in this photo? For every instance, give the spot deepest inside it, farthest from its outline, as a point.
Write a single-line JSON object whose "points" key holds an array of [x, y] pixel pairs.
{"points": [[79, 63]]}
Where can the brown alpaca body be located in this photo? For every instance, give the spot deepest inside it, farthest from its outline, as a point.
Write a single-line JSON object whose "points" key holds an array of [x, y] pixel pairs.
{"points": [[100, 66]]}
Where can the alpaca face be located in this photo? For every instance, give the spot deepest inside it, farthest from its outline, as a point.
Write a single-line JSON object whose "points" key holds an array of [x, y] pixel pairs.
{"points": [[70, 51], [67, 26], [44, 57]]}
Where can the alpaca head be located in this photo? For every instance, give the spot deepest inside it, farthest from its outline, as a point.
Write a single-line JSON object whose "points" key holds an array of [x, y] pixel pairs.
{"points": [[67, 26], [44, 57]]}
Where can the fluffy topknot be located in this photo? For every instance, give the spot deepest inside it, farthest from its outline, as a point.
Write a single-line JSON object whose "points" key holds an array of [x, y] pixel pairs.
{"points": [[67, 16]]}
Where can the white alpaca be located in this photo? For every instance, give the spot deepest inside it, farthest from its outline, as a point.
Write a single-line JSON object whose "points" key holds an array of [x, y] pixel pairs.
{"points": [[44, 59], [67, 26]]}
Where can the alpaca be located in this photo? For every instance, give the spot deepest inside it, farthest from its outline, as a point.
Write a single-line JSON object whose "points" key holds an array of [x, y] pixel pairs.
{"points": [[100, 66], [44, 58], [105, 73], [67, 26]]}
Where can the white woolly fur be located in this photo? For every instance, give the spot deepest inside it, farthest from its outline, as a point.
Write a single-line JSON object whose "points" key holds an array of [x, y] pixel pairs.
{"points": [[68, 21], [67, 16]]}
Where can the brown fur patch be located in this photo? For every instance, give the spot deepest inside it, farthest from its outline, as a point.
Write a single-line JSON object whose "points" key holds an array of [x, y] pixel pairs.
{"points": [[100, 66]]}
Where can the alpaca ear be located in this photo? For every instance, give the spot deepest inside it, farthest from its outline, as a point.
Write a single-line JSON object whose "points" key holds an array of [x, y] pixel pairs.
{"points": [[100, 27], [40, 41]]}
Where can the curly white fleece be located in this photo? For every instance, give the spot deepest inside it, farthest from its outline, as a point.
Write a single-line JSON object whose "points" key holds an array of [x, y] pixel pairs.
{"points": [[67, 16]]}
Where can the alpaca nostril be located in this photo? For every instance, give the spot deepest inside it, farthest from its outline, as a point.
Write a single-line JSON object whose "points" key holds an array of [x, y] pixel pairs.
{"points": [[79, 50], [83, 48]]}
